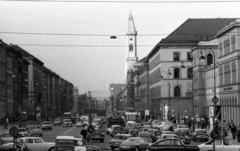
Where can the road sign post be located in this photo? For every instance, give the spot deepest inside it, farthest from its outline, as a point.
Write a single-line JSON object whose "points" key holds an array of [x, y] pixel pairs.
{"points": [[13, 131]]}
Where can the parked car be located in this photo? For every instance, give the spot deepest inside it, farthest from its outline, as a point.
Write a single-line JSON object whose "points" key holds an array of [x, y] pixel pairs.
{"points": [[135, 143], [67, 122], [223, 145], [22, 131], [46, 125], [35, 144], [36, 130], [172, 144], [199, 134], [57, 121], [6, 138], [117, 140], [98, 135]]}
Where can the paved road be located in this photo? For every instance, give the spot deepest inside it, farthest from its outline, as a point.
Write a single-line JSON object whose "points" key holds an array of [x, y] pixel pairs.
{"points": [[50, 135]]}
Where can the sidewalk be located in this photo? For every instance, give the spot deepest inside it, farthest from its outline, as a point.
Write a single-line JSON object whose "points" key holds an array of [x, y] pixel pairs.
{"points": [[229, 137]]}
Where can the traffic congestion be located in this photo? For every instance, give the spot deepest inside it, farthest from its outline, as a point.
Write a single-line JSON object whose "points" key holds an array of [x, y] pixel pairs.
{"points": [[94, 133]]}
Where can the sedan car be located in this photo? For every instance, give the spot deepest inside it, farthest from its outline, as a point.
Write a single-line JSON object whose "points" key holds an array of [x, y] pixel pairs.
{"points": [[6, 138], [98, 135], [80, 124], [135, 143], [22, 132], [223, 145], [171, 144], [181, 128], [46, 125], [199, 134], [35, 144], [36, 130], [57, 121], [117, 140], [67, 122], [184, 138]]}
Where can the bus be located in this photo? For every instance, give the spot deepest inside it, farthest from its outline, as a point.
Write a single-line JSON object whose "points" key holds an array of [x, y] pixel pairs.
{"points": [[67, 115]]}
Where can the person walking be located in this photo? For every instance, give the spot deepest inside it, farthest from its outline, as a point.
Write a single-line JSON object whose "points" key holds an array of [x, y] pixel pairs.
{"points": [[238, 134], [233, 129]]}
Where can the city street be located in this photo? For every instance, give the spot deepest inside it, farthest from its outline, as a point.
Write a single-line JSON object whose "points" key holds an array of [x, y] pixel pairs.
{"points": [[50, 135]]}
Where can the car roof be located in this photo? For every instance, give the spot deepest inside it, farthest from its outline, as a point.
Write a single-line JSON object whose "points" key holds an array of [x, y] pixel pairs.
{"points": [[65, 137], [29, 137], [123, 135]]}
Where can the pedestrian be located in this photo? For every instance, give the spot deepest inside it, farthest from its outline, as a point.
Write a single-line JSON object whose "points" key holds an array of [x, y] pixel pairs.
{"points": [[238, 134], [233, 129]]}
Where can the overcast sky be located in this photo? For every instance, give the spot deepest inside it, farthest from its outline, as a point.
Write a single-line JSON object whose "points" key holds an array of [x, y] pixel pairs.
{"points": [[79, 32]]}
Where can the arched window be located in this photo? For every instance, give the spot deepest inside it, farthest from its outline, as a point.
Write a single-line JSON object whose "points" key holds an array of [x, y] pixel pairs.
{"points": [[190, 73], [131, 47], [209, 59], [176, 73], [177, 91]]}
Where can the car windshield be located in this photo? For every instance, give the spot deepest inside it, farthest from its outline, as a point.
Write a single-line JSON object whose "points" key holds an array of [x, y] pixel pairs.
{"points": [[182, 126], [201, 131], [46, 122], [62, 142], [168, 132], [7, 135], [21, 130], [131, 139], [36, 127], [120, 137], [157, 132], [67, 120]]}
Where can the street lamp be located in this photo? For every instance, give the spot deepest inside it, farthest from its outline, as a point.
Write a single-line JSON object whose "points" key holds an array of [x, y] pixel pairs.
{"points": [[214, 99]]}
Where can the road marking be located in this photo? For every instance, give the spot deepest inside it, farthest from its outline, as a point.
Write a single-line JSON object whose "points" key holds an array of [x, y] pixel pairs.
{"points": [[68, 130]]}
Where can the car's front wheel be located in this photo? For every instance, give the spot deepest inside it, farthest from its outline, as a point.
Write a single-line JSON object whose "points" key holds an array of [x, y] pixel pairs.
{"points": [[51, 149]]}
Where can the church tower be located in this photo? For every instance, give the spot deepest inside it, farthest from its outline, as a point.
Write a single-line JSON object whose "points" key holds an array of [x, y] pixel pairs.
{"points": [[131, 42]]}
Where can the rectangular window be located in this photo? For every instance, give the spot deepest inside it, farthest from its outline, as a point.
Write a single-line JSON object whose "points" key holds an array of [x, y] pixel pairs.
{"points": [[189, 56], [233, 43], [226, 46], [176, 56], [220, 49], [227, 74], [234, 72], [221, 75]]}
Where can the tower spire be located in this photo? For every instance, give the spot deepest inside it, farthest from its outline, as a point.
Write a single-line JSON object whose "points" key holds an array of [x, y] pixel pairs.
{"points": [[131, 26]]}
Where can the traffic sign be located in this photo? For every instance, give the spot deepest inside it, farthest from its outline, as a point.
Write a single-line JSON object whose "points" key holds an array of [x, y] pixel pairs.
{"points": [[83, 132], [215, 100], [90, 129], [146, 112], [13, 131]]}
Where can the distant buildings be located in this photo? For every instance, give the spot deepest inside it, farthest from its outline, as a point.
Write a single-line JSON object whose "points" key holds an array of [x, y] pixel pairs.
{"points": [[28, 89]]}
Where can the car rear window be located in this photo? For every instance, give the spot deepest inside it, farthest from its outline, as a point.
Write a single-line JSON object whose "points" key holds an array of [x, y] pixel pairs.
{"points": [[201, 131]]}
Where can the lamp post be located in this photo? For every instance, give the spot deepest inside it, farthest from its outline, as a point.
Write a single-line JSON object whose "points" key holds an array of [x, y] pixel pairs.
{"points": [[89, 99], [168, 90], [214, 99]]}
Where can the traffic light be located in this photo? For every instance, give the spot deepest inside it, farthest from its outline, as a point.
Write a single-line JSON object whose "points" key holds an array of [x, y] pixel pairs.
{"points": [[218, 112], [215, 125]]}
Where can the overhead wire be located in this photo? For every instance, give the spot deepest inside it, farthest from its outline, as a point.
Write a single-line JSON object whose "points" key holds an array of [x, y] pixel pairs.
{"points": [[130, 1]]}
